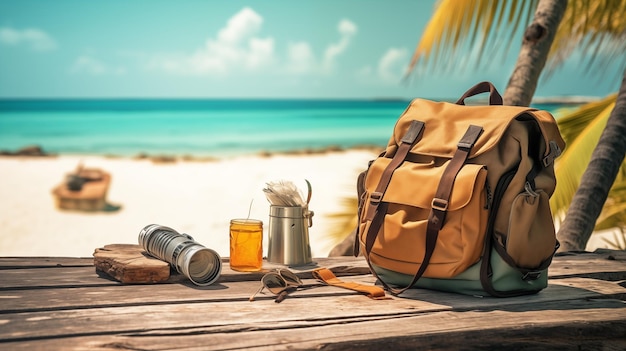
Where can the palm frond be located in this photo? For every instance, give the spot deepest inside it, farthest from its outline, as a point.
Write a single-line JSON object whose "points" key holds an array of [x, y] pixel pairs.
{"points": [[571, 165], [619, 240], [454, 22], [575, 121], [344, 221], [598, 27]]}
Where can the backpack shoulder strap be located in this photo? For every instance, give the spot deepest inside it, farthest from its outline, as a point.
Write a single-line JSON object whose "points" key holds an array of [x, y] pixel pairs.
{"points": [[412, 135], [438, 211]]}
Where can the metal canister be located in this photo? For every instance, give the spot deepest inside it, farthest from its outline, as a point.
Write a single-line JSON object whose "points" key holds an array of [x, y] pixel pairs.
{"points": [[289, 235], [201, 265]]}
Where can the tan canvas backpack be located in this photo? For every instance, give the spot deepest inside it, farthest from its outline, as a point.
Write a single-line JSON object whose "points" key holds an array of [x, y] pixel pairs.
{"points": [[459, 200]]}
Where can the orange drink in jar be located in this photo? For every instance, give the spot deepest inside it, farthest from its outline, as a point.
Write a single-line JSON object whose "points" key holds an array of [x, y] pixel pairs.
{"points": [[246, 245]]}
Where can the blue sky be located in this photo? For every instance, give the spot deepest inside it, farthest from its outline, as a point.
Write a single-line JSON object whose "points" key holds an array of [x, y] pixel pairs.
{"points": [[239, 49]]}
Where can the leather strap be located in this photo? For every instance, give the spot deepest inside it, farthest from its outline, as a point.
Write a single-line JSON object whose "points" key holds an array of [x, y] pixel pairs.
{"points": [[327, 276], [529, 274], [486, 274], [360, 190], [439, 206], [438, 210], [377, 209], [413, 134]]}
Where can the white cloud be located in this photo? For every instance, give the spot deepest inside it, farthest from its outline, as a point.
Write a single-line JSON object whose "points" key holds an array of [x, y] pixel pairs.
{"points": [[236, 46], [261, 53], [391, 66], [300, 58], [38, 40], [347, 30], [244, 24], [90, 65]]}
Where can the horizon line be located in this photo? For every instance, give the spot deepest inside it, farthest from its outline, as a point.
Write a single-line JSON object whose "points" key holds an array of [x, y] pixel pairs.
{"points": [[538, 99]]}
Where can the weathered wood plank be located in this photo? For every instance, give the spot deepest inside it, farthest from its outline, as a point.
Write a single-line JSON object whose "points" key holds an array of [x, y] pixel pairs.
{"points": [[72, 277], [570, 325], [126, 319], [30, 300], [115, 294], [68, 306], [44, 262], [605, 264], [51, 262], [608, 263], [85, 277], [59, 273], [39, 262], [228, 303]]}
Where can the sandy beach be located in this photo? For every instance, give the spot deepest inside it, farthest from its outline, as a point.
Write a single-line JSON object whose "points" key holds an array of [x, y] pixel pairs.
{"points": [[195, 197]]}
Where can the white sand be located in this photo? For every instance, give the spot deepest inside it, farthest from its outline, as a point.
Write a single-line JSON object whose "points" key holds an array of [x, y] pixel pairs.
{"points": [[195, 197]]}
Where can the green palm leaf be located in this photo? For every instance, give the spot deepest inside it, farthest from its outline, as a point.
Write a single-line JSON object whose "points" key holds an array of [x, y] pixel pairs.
{"points": [[587, 124], [593, 25], [573, 122], [455, 23], [596, 26]]}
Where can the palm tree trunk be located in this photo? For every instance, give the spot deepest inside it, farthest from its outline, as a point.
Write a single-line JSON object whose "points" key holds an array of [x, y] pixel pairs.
{"points": [[538, 38], [597, 180]]}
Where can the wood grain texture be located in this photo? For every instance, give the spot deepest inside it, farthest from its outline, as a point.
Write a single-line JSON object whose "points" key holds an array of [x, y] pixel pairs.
{"points": [[130, 264], [62, 304]]}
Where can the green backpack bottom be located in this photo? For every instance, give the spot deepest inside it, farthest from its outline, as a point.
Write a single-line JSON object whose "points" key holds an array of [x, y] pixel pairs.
{"points": [[504, 278]]}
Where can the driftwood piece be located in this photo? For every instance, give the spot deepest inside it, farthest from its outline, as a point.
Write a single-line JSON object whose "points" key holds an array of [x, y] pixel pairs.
{"points": [[91, 195], [130, 265]]}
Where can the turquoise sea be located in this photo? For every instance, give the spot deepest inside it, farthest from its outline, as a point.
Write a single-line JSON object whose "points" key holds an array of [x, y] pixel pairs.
{"points": [[196, 127]]}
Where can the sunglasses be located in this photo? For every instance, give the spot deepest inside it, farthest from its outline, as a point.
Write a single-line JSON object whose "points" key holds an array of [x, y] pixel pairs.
{"points": [[279, 282]]}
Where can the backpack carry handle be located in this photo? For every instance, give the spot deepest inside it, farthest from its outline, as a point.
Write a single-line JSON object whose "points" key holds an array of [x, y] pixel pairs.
{"points": [[482, 87]]}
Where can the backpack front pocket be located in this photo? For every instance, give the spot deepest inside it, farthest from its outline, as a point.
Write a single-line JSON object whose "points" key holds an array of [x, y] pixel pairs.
{"points": [[399, 245]]}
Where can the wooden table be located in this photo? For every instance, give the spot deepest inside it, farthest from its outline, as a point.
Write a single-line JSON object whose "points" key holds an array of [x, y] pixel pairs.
{"points": [[61, 303]]}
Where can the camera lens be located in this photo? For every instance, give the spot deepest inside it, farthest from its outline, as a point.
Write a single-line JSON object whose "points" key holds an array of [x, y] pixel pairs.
{"points": [[201, 265]]}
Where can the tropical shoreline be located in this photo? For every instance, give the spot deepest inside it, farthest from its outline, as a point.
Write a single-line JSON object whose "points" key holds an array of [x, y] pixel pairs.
{"points": [[198, 197], [195, 196]]}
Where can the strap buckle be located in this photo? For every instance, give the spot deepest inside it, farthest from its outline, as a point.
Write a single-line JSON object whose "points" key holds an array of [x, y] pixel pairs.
{"points": [[555, 151], [376, 197], [529, 190], [439, 204], [532, 275]]}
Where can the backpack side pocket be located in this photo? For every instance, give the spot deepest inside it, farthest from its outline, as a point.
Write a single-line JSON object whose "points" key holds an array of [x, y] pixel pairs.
{"points": [[531, 237]]}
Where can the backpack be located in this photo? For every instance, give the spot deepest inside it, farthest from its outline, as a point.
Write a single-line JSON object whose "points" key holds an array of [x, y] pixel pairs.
{"points": [[459, 199]]}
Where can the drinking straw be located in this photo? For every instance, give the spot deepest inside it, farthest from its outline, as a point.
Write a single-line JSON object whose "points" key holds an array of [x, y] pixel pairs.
{"points": [[249, 209]]}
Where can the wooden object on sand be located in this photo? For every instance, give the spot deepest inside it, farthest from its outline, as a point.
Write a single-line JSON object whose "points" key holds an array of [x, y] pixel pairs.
{"points": [[130, 264], [92, 194]]}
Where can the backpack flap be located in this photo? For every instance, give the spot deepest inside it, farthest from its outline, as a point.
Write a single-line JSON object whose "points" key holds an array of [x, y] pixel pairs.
{"points": [[399, 244], [447, 122]]}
